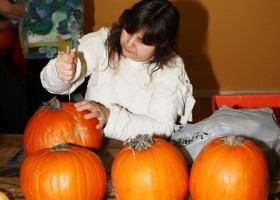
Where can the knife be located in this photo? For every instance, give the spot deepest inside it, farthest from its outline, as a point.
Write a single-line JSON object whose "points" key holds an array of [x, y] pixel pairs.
{"points": [[69, 82]]}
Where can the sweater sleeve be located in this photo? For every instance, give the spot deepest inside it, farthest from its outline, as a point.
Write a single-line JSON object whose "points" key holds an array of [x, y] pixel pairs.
{"points": [[89, 52], [53, 84]]}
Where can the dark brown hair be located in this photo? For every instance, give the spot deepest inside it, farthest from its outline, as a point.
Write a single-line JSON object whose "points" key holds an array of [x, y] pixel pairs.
{"points": [[160, 21]]}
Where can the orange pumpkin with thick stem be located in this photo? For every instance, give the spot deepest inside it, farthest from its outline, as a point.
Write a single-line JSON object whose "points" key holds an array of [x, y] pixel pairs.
{"points": [[63, 172], [156, 171], [231, 168], [57, 123]]}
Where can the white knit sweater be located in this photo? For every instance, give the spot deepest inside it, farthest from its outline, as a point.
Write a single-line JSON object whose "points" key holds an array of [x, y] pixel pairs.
{"points": [[139, 103]]}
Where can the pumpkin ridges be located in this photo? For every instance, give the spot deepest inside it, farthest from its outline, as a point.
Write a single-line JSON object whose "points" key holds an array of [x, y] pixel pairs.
{"points": [[241, 160], [118, 169], [231, 154], [24, 175], [76, 170], [39, 119], [152, 161], [48, 167], [101, 176], [81, 188], [170, 170], [262, 164], [135, 180], [248, 160], [249, 176], [204, 185], [161, 169], [69, 169], [225, 171], [129, 165], [96, 173], [32, 124], [42, 164], [78, 165], [202, 163], [221, 153], [161, 175], [47, 128], [129, 162]]}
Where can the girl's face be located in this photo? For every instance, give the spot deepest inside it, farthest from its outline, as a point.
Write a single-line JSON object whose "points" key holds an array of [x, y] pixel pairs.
{"points": [[133, 48]]}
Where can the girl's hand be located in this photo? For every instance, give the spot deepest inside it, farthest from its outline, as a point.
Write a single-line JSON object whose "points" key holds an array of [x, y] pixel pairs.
{"points": [[96, 111], [66, 66]]}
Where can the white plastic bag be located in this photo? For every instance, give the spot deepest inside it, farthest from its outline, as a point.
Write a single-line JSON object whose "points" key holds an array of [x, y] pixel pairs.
{"points": [[258, 125]]}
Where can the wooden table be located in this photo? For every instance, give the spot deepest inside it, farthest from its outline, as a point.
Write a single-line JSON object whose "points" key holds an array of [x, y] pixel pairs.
{"points": [[10, 144]]}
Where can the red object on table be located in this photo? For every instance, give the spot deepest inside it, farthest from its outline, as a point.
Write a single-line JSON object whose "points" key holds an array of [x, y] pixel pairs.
{"points": [[248, 101]]}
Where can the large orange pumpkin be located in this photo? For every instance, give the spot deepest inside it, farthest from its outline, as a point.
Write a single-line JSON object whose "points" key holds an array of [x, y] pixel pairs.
{"points": [[231, 168], [57, 123], [63, 172], [157, 172]]}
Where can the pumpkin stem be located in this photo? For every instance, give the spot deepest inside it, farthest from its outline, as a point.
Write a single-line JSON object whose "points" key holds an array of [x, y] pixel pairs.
{"points": [[140, 142], [62, 146], [53, 104], [233, 140]]}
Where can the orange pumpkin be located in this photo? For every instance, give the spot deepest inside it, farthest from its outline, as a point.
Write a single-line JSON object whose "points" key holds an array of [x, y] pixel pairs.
{"points": [[57, 123], [63, 172], [156, 172], [231, 168]]}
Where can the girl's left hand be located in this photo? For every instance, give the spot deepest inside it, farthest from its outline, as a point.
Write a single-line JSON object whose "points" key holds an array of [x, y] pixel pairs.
{"points": [[96, 111]]}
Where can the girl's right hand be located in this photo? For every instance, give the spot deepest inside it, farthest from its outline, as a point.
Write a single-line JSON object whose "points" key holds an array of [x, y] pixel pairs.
{"points": [[66, 66]]}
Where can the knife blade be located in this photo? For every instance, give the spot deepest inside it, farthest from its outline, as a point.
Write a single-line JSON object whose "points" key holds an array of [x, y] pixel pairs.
{"points": [[69, 82]]}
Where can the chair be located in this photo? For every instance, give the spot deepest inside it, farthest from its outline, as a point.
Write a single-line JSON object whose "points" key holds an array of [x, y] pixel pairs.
{"points": [[248, 101]]}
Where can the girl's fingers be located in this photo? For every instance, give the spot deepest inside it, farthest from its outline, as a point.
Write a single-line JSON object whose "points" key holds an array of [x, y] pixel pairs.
{"points": [[96, 111], [83, 105], [65, 66], [72, 55]]}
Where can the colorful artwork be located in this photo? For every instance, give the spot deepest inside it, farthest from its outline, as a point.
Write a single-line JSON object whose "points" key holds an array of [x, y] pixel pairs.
{"points": [[50, 26]]}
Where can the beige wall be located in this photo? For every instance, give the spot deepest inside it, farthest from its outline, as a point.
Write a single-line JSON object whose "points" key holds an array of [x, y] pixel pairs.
{"points": [[226, 45]]}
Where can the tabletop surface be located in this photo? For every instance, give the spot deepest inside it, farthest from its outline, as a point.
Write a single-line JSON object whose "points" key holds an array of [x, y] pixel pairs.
{"points": [[10, 144]]}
